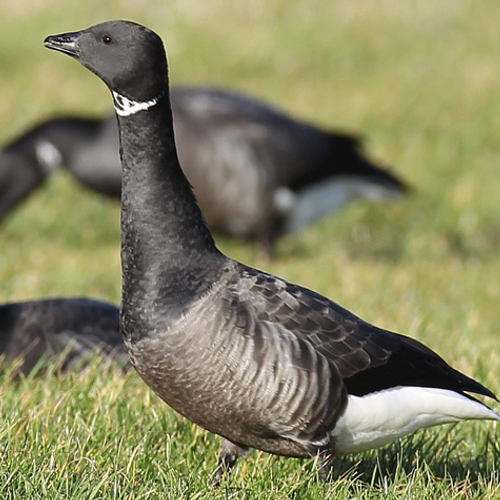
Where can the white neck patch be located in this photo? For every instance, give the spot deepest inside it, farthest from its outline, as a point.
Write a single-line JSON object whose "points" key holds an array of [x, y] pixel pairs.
{"points": [[126, 107], [47, 155]]}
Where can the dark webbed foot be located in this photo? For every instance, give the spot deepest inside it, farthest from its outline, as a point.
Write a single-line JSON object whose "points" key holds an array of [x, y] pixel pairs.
{"points": [[325, 464], [228, 456]]}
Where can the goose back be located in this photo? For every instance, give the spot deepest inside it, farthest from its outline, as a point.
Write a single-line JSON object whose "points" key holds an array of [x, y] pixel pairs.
{"points": [[76, 327]]}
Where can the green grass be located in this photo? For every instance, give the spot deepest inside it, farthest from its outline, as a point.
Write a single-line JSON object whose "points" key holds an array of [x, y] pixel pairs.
{"points": [[421, 82]]}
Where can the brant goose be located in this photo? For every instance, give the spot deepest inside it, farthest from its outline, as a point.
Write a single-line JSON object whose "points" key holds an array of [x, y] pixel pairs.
{"points": [[257, 173], [72, 327], [273, 174], [261, 361]]}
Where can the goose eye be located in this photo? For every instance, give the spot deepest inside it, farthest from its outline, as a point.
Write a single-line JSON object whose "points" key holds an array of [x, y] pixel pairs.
{"points": [[106, 39]]}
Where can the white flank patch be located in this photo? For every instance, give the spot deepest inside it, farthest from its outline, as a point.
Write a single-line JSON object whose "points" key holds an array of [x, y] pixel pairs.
{"points": [[284, 200], [379, 418], [127, 107], [317, 200], [47, 155]]}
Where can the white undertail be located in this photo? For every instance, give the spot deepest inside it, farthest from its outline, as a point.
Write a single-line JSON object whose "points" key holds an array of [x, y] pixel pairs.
{"points": [[380, 418], [317, 200]]}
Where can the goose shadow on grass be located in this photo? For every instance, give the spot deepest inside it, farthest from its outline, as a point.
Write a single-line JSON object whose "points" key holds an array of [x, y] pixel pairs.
{"points": [[442, 455], [436, 457]]}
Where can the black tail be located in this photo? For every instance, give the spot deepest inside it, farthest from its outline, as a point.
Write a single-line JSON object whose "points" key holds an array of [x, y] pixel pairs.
{"points": [[345, 157]]}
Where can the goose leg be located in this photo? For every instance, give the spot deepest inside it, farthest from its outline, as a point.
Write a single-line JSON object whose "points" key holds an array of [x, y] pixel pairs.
{"points": [[325, 464], [229, 454]]}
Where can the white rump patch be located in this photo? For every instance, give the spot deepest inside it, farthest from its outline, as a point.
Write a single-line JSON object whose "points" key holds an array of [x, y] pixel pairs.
{"points": [[382, 417], [127, 107], [319, 199]]}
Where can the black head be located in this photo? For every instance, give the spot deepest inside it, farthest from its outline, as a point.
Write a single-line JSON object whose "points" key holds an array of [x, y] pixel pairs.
{"points": [[128, 57]]}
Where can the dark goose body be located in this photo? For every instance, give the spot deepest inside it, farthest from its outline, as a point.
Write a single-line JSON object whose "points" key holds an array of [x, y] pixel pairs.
{"points": [[22, 170], [77, 327], [274, 174], [254, 358], [86, 146], [257, 172]]}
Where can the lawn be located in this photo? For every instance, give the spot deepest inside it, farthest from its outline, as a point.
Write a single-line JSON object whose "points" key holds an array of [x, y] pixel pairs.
{"points": [[420, 81]]}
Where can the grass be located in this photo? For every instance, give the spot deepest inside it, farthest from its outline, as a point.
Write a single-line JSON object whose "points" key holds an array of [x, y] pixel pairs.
{"points": [[421, 82]]}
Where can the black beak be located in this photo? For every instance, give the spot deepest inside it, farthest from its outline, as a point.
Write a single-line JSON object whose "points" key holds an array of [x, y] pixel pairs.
{"points": [[66, 43]]}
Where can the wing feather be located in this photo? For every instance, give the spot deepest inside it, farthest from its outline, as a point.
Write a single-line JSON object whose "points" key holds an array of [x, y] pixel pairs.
{"points": [[367, 358]]}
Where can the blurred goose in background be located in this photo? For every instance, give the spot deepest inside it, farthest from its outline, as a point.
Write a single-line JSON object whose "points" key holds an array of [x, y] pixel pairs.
{"points": [[76, 327], [257, 172], [27, 161], [263, 362], [21, 171]]}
